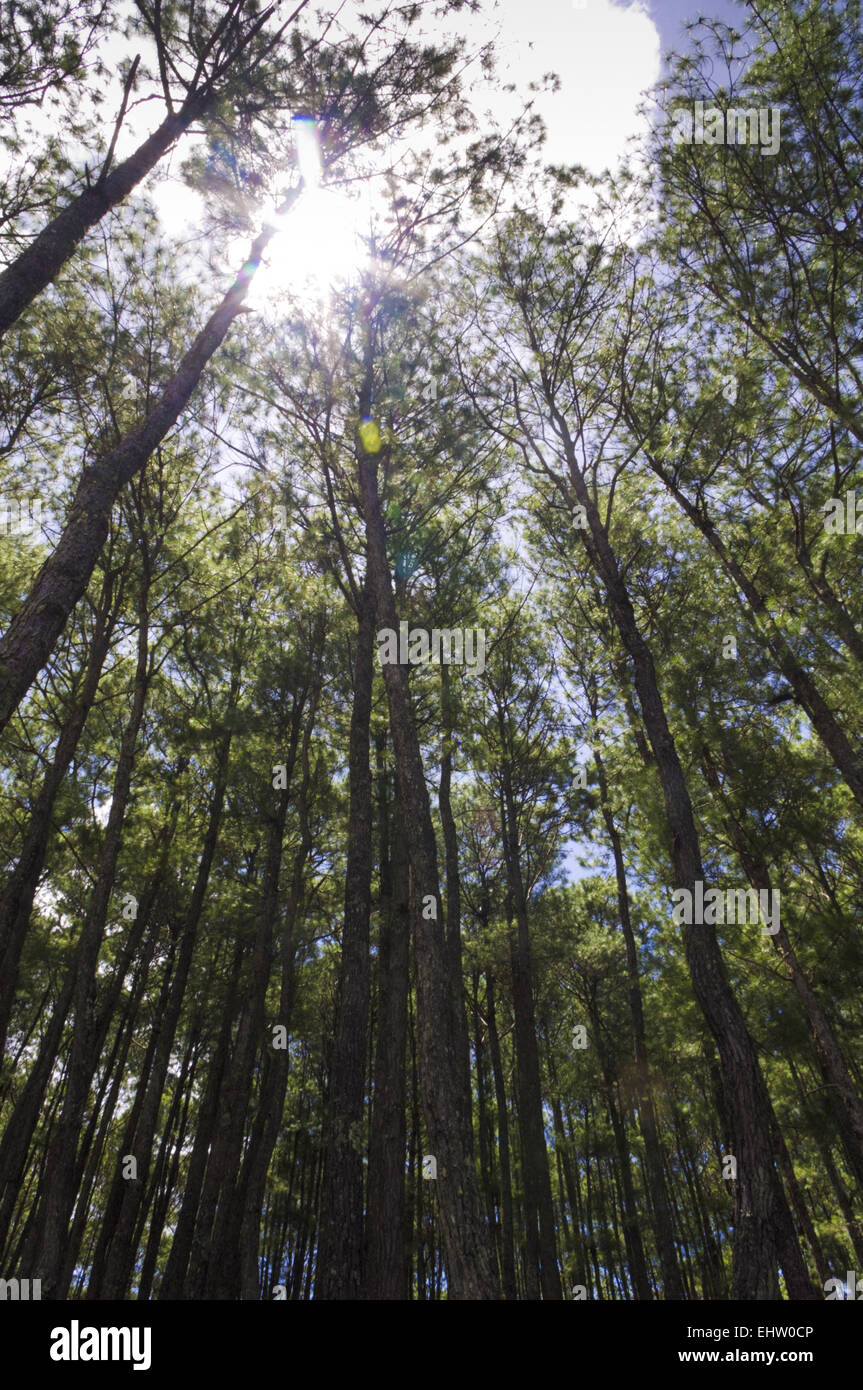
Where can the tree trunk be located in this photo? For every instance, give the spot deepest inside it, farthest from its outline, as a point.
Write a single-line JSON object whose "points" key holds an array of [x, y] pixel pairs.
{"points": [[388, 1272], [470, 1273], [120, 1185], [507, 1223], [31, 636], [484, 1124], [16, 904], [182, 1273], [757, 1190], [453, 896], [631, 1231], [843, 624], [114, 1250], [40, 262], [806, 693], [274, 1084], [340, 1273], [91, 1152], [225, 1170], [646, 1109], [824, 1041], [23, 1121], [569, 1184], [47, 1245], [182, 1098], [542, 1271]]}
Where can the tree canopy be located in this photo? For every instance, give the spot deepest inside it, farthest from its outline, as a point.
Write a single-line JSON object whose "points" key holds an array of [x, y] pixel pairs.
{"points": [[431, 630]]}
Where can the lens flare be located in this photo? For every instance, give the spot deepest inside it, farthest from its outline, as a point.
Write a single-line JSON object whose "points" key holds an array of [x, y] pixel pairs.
{"points": [[308, 151], [370, 436]]}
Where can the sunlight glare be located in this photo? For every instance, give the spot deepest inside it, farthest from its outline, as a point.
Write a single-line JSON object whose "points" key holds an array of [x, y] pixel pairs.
{"points": [[318, 245]]}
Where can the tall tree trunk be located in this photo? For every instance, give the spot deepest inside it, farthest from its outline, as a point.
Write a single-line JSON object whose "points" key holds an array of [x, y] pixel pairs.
{"points": [[646, 1109], [47, 1246], [507, 1222], [274, 1084], [453, 894], [758, 1192], [484, 1125], [388, 1271], [16, 904], [114, 1256], [541, 1255], [182, 1274], [91, 1151], [466, 1241], [799, 1207], [824, 1041], [569, 1184], [848, 763], [40, 262], [23, 1120], [713, 1274], [181, 1101], [31, 636], [853, 1224], [843, 624], [120, 1184], [340, 1273], [225, 1168], [631, 1231]]}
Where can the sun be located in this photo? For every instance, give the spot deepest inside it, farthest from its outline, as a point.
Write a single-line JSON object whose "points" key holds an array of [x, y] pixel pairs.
{"points": [[318, 246]]}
